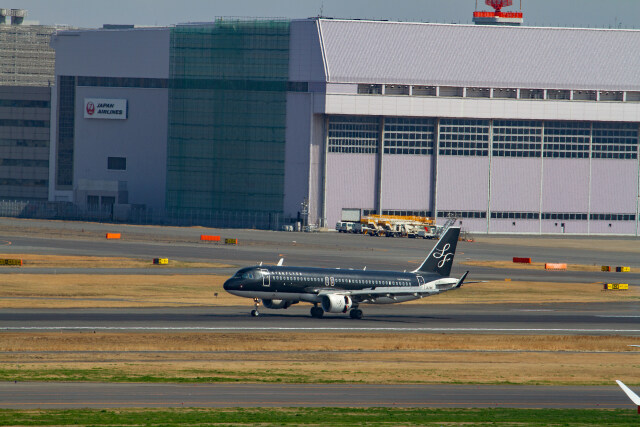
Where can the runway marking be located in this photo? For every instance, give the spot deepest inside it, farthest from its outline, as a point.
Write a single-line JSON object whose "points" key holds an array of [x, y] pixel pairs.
{"points": [[616, 315], [307, 329]]}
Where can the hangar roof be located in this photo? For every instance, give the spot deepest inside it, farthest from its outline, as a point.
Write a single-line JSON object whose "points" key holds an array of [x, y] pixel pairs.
{"points": [[479, 55]]}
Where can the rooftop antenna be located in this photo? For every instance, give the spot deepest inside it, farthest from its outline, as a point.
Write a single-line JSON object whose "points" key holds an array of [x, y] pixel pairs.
{"points": [[497, 17]]}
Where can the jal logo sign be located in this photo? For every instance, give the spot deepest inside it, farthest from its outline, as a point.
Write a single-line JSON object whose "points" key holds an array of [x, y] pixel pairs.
{"points": [[97, 108]]}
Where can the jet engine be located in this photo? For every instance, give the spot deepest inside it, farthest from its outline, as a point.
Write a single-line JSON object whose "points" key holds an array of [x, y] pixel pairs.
{"points": [[277, 304], [336, 303]]}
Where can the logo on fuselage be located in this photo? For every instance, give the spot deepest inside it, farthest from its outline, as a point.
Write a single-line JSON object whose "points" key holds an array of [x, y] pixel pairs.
{"points": [[91, 108]]}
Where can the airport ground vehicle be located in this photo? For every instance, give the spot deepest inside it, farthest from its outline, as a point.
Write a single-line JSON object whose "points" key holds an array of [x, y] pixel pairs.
{"points": [[345, 227]]}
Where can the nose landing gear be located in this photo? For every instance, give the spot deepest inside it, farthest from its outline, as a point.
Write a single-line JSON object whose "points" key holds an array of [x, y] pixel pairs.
{"points": [[256, 304]]}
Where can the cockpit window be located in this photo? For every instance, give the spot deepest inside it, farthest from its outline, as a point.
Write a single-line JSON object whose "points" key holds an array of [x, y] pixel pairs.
{"points": [[247, 276]]}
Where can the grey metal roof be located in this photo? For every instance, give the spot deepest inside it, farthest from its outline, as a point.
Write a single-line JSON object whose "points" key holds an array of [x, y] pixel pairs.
{"points": [[483, 56]]}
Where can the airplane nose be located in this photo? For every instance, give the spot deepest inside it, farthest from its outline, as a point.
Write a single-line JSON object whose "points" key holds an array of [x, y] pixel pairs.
{"points": [[230, 285]]}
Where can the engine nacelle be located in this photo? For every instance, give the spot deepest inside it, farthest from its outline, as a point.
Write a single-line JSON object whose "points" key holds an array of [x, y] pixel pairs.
{"points": [[276, 304], [336, 303]]}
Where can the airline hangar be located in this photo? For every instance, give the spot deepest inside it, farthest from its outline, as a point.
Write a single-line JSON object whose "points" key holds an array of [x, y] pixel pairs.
{"points": [[510, 129]]}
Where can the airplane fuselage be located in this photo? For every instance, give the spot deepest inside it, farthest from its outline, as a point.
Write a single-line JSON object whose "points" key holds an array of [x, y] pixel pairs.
{"points": [[304, 283], [335, 290]]}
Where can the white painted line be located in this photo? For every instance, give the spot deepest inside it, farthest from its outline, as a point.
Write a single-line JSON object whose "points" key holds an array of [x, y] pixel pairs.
{"points": [[274, 328], [618, 315]]}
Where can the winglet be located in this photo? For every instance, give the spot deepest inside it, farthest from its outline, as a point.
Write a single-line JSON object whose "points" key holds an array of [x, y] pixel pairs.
{"points": [[280, 262], [634, 397], [459, 284]]}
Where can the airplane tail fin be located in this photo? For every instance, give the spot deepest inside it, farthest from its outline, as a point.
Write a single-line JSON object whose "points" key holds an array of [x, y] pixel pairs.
{"points": [[440, 258]]}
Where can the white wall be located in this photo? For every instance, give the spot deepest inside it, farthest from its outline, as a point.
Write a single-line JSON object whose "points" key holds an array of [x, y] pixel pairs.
{"points": [[140, 52], [474, 108], [142, 139]]}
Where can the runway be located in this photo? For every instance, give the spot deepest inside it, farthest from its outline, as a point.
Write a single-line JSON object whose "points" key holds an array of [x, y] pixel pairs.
{"points": [[561, 319], [321, 250], [94, 395]]}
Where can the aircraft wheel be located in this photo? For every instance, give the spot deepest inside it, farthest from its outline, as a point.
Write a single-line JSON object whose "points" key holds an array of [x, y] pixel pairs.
{"points": [[317, 312], [255, 313], [356, 313]]}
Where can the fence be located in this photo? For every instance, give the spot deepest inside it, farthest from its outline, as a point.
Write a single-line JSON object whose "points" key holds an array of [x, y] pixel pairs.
{"points": [[135, 214]]}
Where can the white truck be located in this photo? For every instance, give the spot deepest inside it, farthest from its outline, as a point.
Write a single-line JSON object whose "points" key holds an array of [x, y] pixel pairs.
{"points": [[344, 227]]}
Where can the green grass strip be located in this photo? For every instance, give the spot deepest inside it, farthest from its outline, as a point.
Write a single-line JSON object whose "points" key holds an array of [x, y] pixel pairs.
{"points": [[320, 416]]}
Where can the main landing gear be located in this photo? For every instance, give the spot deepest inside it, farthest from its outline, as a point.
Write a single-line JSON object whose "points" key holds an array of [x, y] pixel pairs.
{"points": [[356, 313], [255, 312], [317, 312]]}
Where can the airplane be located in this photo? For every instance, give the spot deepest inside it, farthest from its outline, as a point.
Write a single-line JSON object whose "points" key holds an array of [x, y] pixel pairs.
{"points": [[634, 397], [335, 290]]}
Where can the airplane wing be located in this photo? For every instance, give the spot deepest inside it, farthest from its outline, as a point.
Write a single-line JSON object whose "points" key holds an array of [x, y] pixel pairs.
{"points": [[634, 397]]}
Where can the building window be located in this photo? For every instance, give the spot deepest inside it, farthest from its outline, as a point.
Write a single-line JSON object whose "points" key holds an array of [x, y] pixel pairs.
{"points": [[404, 135], [585, 95], [424, 91], [66, 125], [478, 92], [403, 213], [460, 137], [396, 90], [515, 215], [558, 94], [615, 141], [367, 89], [567, 139], [505, 93], [612, 217], [531, 93], [575, 216], [138, 82], [117, 163], [517, 138], [23, 103], [353, 134], [462, 214]]}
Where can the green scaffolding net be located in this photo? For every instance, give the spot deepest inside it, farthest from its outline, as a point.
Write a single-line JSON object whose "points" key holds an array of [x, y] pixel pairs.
{"points": [[227, 112]]}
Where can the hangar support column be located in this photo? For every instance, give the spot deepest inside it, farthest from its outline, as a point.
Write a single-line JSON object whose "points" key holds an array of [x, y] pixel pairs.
{"points": [[434, 171], [379, 165], [325, 139], [638, 189]]}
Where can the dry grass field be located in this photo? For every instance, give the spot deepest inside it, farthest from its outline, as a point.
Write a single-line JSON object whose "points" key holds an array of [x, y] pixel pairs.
{"points": [[109, 291], [341, 357], [69, 261], [534, 266]]}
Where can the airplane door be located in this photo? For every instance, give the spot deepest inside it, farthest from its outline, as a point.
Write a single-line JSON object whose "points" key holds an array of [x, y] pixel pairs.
{"points": [[332, 281], [326, 280], [266, 278], [420, 281]]}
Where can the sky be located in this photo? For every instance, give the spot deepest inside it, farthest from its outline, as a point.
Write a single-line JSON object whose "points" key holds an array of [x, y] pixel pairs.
{"points": [[95, 13]]}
